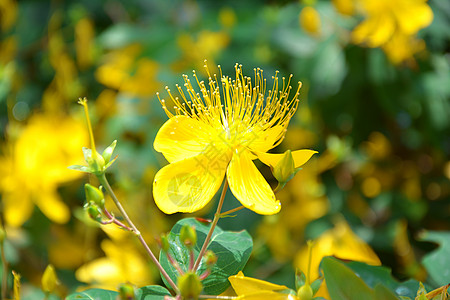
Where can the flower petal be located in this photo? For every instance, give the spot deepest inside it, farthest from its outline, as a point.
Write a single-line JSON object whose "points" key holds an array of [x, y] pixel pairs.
{"points": [[243, 285], [264, 140], [182, 137], [300, 157], [188, 185], [249, 186]]}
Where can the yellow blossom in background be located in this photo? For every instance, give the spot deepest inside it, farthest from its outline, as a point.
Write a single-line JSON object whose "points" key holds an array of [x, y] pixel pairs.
{"points": [[8, 13], [84, 42], [205, 45], [340, 242], [221, 133], [393, 26], [124, 71], [35, 164], [122, 263], [309, 20], [345, 7], [227, 17]]}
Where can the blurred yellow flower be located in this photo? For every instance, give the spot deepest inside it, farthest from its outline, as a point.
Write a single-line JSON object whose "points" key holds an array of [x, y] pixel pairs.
{"points": [[393, 26], [121, 263], [345, 7], [340, 242], [35, 164], [84, 42], [309, 20], [219, 133], [124, 71], [8, 11]]}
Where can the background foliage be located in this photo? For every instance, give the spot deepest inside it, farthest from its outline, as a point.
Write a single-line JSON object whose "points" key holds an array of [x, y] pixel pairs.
{"points": [[378, 113]]}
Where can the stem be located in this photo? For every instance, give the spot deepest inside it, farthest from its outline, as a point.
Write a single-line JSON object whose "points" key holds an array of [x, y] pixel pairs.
{"points": [[105, 183], [5, 272], [232, 210], [213, 226], [112, 219]]}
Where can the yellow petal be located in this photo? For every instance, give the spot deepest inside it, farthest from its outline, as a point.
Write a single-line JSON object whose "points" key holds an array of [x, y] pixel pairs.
{"points": [[51, 205], [300, 157], [267, 295], [188, 185], [246, 285], [263, 140], [249, 186], [183, 137]]}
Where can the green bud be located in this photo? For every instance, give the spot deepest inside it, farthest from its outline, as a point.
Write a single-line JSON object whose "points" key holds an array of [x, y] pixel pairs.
{"points": [[49, 280], [165, 242], [95, 195], [305, 292], [94, 212], [190, 285], [210, 259], [126, 292], [188, 236], [285, 170]]}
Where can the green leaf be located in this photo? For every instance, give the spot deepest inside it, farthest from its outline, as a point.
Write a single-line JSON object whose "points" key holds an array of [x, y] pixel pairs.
{"points": [[382, 292], [373, 275], [437, 263], [342, 283], [151, 292], [232, 249], [94, 294]]}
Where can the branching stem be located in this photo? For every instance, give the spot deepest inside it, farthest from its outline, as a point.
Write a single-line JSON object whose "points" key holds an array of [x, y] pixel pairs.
{"points": [[105, 183]]}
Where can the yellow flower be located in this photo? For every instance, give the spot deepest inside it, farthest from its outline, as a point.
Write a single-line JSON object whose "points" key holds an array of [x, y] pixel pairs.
{"points": [[250, 288], [219, 131], [340, 242], [386, 18], [36, 164]]}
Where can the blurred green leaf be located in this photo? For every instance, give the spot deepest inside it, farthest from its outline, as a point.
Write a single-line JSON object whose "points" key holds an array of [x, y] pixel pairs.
{"points": [[437, 262], [232, 249]]}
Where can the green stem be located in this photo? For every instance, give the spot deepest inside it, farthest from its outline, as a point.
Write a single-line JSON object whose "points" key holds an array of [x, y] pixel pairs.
{"points": [[105, 183], [5, 272], [213, 226]]}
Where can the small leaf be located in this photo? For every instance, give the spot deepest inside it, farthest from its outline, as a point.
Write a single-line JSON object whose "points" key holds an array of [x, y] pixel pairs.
{"points": [[94, 294], [85, 169], [111, 162], [151, 292], [300, 279], [232, 249], [342, 283], [107, 153], [315, 285]]}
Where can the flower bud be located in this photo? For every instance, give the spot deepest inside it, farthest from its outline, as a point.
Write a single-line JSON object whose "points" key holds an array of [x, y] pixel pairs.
{"points": [[95, 161], [210, 259], [190, 285], [95, 195], [164, 243], [188, 236], [126, 292], [94, 212], [285, 170], [49, 280], [305, 292]]}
